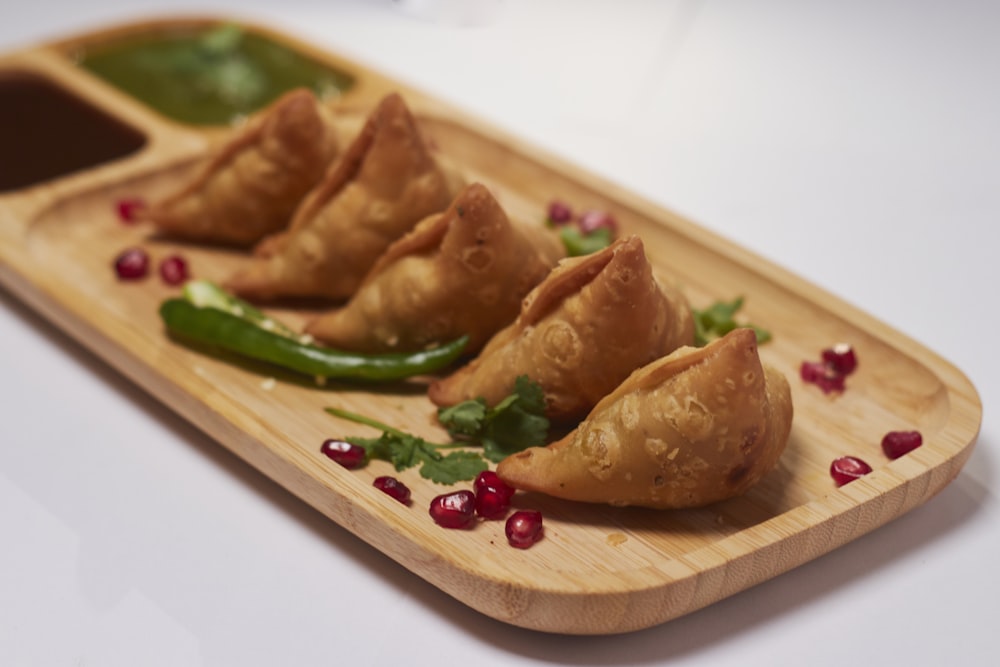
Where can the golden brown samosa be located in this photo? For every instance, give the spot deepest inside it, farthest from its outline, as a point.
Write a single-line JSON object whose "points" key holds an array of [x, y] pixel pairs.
{"points": [[461, 272], [696, 427], [584, 329], [378, 190], [252, 185]]}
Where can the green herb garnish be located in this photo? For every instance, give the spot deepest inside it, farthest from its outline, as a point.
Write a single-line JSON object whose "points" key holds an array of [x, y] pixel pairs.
{"points": [[404, 450], [514, 424], [577, 243], [719, 319]]}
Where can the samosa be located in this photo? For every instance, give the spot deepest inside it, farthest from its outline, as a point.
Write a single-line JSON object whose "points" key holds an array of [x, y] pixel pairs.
{"points": [[461, 272], [378, 190], [699, 426], [584, 329], [250, 187]]}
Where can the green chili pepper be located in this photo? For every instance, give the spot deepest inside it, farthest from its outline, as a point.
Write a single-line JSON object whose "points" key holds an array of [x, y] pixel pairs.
{"points": [[231, 332], [206, 294]]}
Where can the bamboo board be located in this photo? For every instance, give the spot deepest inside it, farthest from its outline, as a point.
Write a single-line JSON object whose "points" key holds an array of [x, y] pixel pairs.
{"points": [[599, 570]]}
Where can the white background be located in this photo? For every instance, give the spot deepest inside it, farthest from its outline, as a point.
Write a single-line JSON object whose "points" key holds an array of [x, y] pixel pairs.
{"points": [[855, 143]]}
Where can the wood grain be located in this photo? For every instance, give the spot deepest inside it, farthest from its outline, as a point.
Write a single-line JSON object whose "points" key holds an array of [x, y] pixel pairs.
{"points": [[599, 570]]}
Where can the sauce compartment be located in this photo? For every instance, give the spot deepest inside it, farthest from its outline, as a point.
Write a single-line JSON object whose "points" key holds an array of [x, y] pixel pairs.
{"points": [[47, 132], [72, 110], [207, 74]]}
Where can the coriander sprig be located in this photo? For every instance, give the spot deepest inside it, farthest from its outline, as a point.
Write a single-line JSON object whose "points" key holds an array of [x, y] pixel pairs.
{"points": [[515, 423], [405, 450], [719, 319]]}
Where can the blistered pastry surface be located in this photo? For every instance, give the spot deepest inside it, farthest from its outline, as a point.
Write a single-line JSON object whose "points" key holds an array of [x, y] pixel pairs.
{"points": [[698, 426]]}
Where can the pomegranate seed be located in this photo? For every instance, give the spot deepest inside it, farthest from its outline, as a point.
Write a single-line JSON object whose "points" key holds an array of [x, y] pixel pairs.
{"points": [[347, 454], [524, 528], [897, 443], [491, 504], [129, 209], [559, 213], [174, 270], [841, 358], [847, 469], [490, 481], [591, 221], [454, 510], [492, 495], [393, 487], [838, 362], [822, 375], [132, 264]]}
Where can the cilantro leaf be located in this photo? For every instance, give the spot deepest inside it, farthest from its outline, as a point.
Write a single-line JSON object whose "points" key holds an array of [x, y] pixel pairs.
{"points": [[515, 423], [404, 450], [463, 419], [529, 394], [456, 467], [578, 243], [399, 450], [763, 335], [719, 319]]}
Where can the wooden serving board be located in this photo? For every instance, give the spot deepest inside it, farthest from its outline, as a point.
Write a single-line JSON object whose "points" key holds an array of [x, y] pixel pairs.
{"points": [[599, 570]]}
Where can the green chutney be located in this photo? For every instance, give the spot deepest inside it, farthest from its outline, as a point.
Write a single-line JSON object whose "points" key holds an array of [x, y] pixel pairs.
{"points": [[213, 76]]}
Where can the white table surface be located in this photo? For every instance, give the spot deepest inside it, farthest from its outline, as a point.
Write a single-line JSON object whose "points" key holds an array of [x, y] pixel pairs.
{"points": [[855, 143]]}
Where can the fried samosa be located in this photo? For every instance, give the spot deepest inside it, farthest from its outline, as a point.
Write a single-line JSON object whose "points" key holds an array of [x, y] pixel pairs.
{"points": [[377, 191], [461, 272], [584, 329], [698, 426], [252, 185]]}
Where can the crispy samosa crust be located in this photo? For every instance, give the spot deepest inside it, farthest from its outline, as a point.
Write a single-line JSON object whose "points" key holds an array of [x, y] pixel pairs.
{"points": [[696, 427], [461, 272], [252, 185], [583, 330], [377, 191]]}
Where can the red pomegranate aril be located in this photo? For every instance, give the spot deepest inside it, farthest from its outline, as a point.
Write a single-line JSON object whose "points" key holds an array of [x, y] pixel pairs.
{"points": [[393, 487], [454, 510], [559, 213], [128, 209], [345, 453], [491, 504], [489, 480], [174, 270], [591, 221], [898, 443], [822, 375], [132, 264], [492, 495], [841, 358], [847, 469], [524, 528], [837, 363]]}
